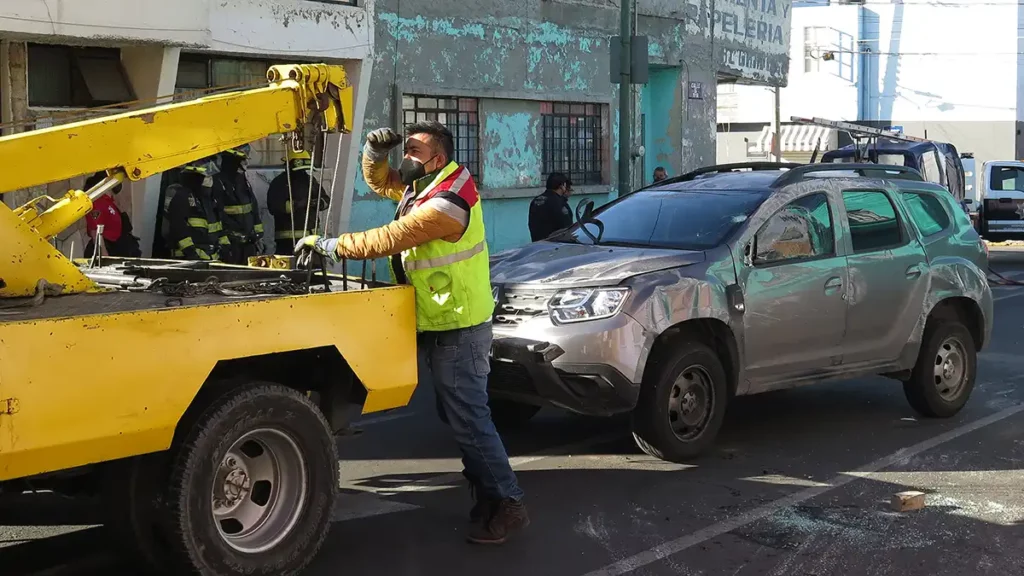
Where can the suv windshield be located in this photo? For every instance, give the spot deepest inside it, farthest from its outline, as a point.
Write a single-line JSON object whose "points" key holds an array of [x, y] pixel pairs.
{"points": [[686, 220]]}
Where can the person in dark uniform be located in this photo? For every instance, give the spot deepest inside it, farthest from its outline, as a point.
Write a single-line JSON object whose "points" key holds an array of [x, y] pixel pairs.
{"points": [[196, 232], [239, 210], [292, 213], [550, 211]]}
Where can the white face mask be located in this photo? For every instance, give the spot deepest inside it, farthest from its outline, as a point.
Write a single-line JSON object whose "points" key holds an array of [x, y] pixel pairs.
{"points": [[208, 182]]}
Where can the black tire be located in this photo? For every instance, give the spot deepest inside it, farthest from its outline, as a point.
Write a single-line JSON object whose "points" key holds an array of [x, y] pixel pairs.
{"points": [[510, 415], [941, 339], [653, 416], [132, 493], [209, 458]]}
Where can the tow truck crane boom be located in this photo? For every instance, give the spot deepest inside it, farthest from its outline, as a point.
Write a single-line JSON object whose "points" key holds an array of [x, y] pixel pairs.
{"points": [[200, 401], [301, 100]]}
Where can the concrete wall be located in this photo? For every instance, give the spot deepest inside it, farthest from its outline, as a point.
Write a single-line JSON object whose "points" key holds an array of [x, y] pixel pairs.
{"points": [[511, 56], [952, 70], [515, 55]]}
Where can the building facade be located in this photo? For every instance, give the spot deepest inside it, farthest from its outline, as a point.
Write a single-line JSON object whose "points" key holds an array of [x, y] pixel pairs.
{"points": [[525, 86], [949, 71]]}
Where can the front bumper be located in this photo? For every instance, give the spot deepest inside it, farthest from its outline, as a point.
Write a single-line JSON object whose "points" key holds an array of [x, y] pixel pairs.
{"points": [[525, 370]]}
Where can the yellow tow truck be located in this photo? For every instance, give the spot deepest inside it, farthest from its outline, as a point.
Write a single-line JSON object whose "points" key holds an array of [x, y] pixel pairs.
{"points": [[201, 400]]}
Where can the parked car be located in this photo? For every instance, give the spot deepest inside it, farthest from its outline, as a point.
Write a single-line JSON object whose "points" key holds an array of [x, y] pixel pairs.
{"points": [[739, 279]]}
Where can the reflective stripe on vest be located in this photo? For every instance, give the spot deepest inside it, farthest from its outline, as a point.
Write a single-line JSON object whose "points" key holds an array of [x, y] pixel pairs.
{"points": [[451, 279], [411, 265]]}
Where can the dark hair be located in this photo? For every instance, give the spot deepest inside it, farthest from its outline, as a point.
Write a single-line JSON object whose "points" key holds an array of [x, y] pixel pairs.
{"points": [[556, 179], [662, 168], [438, 131]]}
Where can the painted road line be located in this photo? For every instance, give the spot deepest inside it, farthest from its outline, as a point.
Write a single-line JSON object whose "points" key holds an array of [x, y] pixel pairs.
{"points": [[517, 461], [1013, 294], [375, 501], [666, 549], [366, 505]]}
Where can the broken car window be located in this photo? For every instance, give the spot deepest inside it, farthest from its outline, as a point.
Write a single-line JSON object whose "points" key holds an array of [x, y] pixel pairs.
{"points": [[800, 230]]}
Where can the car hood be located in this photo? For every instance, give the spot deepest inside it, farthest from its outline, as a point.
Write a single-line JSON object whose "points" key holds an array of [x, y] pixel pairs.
{"points": [[578, 264]]}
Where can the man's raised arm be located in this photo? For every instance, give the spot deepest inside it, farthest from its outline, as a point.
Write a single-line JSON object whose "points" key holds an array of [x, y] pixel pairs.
{"points": [[379, 175]]}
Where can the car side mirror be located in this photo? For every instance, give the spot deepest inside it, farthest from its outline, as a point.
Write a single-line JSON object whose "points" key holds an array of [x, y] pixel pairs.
{"points": [[584, 209], [749, 250]]}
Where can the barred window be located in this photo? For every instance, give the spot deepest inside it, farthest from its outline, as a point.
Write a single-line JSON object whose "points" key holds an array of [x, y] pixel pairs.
{"points": [[197, 72], [571, 141], [459, 115]]}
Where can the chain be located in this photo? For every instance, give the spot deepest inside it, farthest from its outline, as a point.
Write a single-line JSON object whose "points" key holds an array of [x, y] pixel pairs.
{"points": [[187, 289]]}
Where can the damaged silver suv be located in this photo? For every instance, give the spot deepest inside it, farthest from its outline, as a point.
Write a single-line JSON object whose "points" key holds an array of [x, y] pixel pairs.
{"points": [[740, 279]]}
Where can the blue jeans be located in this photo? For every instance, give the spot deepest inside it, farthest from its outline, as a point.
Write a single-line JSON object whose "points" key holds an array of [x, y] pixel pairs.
{"points": [[456, 363]]}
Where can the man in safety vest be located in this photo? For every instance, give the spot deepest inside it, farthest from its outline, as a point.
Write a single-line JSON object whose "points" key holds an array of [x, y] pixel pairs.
{"points": [[436, 243]]}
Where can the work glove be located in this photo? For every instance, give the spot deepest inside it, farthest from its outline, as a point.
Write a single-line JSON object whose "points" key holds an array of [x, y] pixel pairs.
{"points": [[380, 142], [305, 248]]}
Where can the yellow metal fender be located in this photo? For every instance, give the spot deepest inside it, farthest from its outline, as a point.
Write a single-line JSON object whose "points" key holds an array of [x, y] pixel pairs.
{"points": [[85, 389]]}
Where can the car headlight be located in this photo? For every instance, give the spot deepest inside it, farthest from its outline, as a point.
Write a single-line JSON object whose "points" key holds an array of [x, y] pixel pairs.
{"points": [[581, 304]]}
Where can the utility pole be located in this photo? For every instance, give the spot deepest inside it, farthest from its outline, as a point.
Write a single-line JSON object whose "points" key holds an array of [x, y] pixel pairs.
{"points": [[625, 98], [777, 141]]}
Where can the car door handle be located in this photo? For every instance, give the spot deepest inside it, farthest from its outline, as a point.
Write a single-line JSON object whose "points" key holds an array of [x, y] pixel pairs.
{"points": [[914, 271], [833, 283]]}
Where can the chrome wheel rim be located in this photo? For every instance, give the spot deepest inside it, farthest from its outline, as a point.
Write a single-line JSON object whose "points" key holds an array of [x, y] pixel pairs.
{"points": [[950, 373], [690, 403], [259, 490]]}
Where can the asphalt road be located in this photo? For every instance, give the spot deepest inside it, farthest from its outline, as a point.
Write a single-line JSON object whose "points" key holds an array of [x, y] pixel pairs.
{"points": [[798, 484]]}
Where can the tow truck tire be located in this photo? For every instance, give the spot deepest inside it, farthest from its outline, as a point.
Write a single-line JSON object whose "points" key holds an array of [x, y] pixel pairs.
{"points": [[682, 403], [943, 378], [132, 489], [253, 484], [510, 415]]}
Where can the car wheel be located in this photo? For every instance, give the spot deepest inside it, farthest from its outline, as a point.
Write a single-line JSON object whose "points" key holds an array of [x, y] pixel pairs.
{"points": [[253, 485], [943, 378], [509, 415], [681, 407]]}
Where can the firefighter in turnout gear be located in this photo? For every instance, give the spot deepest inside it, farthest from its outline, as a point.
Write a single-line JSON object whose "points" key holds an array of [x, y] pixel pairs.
{"points": [[292, 212], [239, 210], [196, 232]]}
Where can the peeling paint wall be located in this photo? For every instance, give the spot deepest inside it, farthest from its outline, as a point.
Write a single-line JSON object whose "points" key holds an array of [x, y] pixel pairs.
{"points": [[512, 56]]}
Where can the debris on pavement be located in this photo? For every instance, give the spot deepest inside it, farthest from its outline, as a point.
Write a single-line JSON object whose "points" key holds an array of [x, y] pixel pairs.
{"points": [[907, 501]]}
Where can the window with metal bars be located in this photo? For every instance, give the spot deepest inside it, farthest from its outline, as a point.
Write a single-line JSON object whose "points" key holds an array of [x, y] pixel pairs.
{"points": [[459, 115], [571, 141], [202, 73]]}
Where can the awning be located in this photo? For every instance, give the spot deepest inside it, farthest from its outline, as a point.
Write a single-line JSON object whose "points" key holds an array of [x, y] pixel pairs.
{"points": [[795, 138]]}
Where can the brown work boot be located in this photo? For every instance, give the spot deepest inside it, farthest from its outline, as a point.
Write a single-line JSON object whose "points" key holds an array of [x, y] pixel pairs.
{"points": [[508, 516]]}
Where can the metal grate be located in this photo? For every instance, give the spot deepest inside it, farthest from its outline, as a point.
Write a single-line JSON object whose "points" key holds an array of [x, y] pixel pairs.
{"points": [[517, 306], [571, 141], [459, 115]]}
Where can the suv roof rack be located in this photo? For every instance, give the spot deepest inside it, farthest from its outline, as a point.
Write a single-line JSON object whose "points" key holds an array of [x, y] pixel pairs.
{"points": [[723, 168], [856, 130], [891, 171]]}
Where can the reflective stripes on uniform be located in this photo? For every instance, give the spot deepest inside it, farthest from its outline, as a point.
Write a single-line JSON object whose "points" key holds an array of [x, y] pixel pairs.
{"points": [[290, 235], [238, 209], [448, 259]]}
